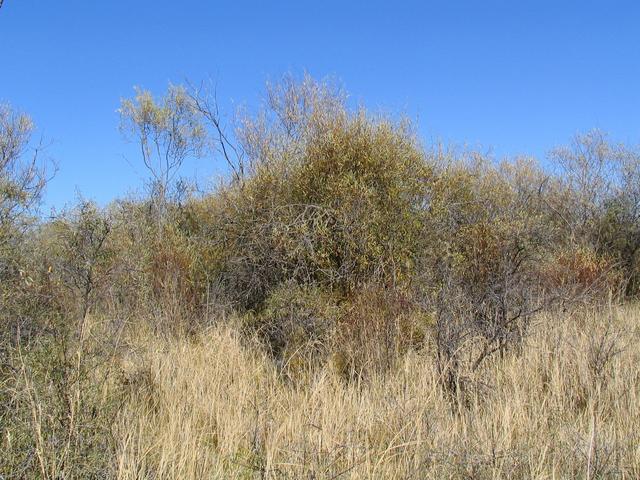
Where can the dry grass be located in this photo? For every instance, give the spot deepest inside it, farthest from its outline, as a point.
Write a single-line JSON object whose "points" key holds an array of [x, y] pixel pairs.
{"points": [[568, 406]]}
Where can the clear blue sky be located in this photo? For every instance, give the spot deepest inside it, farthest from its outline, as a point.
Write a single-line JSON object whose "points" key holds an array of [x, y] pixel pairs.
{"points": [[515, 76]]}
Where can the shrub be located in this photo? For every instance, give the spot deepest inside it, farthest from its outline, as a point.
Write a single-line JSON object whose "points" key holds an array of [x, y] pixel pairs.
{"points": [[486, 234], [599, 205], [581, 274], [296, 324], [376, 328], [56, 414], [22, 180], [81, 258], [333, 200]]}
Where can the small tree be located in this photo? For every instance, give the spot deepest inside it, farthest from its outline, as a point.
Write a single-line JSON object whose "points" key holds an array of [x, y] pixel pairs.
{"points": [[82, 259], [598, 205], [22, 181], [590, 171], [619, 227], [168, 131], [478, 274]]}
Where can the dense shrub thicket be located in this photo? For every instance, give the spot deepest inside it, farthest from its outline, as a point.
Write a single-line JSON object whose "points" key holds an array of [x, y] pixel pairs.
{"points": [[338, 239]]}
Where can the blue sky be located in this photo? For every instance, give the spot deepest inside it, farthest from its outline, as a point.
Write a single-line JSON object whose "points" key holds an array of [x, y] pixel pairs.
{"points": [[517, 77]]}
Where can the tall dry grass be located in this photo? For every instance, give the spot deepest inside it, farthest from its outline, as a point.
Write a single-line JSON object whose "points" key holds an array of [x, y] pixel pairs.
{"points": [[566, 406]]}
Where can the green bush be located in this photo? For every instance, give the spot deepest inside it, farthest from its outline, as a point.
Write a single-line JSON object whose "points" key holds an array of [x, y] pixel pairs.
{"points": [[333, 200]]}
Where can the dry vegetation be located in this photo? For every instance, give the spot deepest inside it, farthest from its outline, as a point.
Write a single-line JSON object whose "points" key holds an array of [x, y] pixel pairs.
{"points": [[215, 407], [349, 303]]}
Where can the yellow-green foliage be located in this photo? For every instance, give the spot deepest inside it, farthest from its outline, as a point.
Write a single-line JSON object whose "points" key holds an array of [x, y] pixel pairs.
{"points": [[337, 205]]}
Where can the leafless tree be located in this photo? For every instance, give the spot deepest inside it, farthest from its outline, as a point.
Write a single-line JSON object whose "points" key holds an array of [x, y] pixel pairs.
{"points": [[590, 170], [205, 101]]}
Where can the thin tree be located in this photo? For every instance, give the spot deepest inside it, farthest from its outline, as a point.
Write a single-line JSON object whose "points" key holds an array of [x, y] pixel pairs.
{"points": [[168, 132]]}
